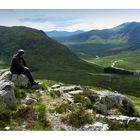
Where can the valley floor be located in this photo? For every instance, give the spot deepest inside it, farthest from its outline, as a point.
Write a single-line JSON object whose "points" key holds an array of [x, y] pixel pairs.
{"points": [[127, 60]]}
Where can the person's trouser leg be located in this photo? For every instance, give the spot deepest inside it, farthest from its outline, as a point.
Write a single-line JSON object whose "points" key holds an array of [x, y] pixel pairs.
{"points": [[28, 74]]}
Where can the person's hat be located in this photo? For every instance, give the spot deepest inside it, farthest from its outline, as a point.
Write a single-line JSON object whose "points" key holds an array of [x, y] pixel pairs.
{"points": [[20, 51]]}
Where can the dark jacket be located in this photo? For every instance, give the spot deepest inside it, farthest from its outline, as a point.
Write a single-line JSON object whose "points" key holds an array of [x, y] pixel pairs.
{"points": [[17, 65]]}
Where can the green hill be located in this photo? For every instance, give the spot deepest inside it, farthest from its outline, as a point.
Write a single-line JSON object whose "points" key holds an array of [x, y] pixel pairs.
{"points": [[51, 60], [46, 57], [124, 37]]}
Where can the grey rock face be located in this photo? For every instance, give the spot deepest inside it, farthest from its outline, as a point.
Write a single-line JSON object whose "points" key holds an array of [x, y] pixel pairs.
{"points": [[110, 100], [6, 76], [7, 94]]}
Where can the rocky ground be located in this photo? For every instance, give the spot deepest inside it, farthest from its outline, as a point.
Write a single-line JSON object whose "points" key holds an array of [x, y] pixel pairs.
{"points": [[61, 107]]}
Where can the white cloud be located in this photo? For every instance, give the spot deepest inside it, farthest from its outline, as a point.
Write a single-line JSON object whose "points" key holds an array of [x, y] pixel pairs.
{"points": [[69, 20]]}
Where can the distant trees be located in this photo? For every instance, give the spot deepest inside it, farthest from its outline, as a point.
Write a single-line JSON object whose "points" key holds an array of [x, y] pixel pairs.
{"points": [[117, 71]]}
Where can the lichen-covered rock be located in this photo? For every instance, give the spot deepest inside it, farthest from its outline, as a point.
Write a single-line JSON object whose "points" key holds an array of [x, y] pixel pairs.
{"points": [[110, 100], [19, 80], [126, 120], [6, 76], [65, 89]]}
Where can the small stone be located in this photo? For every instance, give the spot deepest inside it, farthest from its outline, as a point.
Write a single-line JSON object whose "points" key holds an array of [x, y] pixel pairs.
{"points": [[23, 126], [89, 111], [7, 128], [56, 86], [29, 100], [76, 92], [42, 92]]}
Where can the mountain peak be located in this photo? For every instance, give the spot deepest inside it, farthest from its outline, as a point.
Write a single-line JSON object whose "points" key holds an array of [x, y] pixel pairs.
{"points": [[133, 24]]}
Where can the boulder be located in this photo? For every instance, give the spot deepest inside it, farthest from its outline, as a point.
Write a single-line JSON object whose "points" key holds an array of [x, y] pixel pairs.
{"points": [[17, 79], [111, 100], [20, 80], [7, 94]]}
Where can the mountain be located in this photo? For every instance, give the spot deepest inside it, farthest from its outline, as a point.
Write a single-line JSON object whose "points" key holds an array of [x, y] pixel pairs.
{"points": [[105, 42], [46, 57], [57, 34]]}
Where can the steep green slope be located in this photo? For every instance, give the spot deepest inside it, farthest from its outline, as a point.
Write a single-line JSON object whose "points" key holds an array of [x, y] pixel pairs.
{"points": [[46, 57]]}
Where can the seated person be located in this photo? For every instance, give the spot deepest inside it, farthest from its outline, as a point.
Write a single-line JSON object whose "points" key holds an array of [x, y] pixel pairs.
{"points": [[19, 66]]}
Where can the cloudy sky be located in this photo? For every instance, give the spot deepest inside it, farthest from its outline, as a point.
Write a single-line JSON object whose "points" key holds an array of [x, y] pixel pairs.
{"points": [[68, 20]]}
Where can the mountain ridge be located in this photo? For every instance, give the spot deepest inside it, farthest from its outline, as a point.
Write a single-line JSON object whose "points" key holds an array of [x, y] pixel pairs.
{"points": [[123, 37], [56, 33]]}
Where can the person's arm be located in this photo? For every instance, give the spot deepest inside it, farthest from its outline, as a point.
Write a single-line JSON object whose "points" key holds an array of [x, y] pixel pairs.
{"points": [[25, 65], [18, 64], [24, 62]]}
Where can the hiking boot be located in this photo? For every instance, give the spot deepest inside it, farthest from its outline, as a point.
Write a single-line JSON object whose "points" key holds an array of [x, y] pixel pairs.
{"points": [[34, 83]]}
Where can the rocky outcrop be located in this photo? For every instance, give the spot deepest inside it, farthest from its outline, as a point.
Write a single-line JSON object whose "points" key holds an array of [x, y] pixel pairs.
{"points": [[67, 91], [113, 100], [97, 126], [111, 107], [7, 88], [7, 94], [58, 125], [121, 119]]}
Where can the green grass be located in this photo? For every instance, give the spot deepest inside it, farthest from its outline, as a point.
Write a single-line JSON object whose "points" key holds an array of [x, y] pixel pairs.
{"points": [[34, 116], [113, 125], [5, 116], [131, 60], [136, 101], [78, 117]]}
